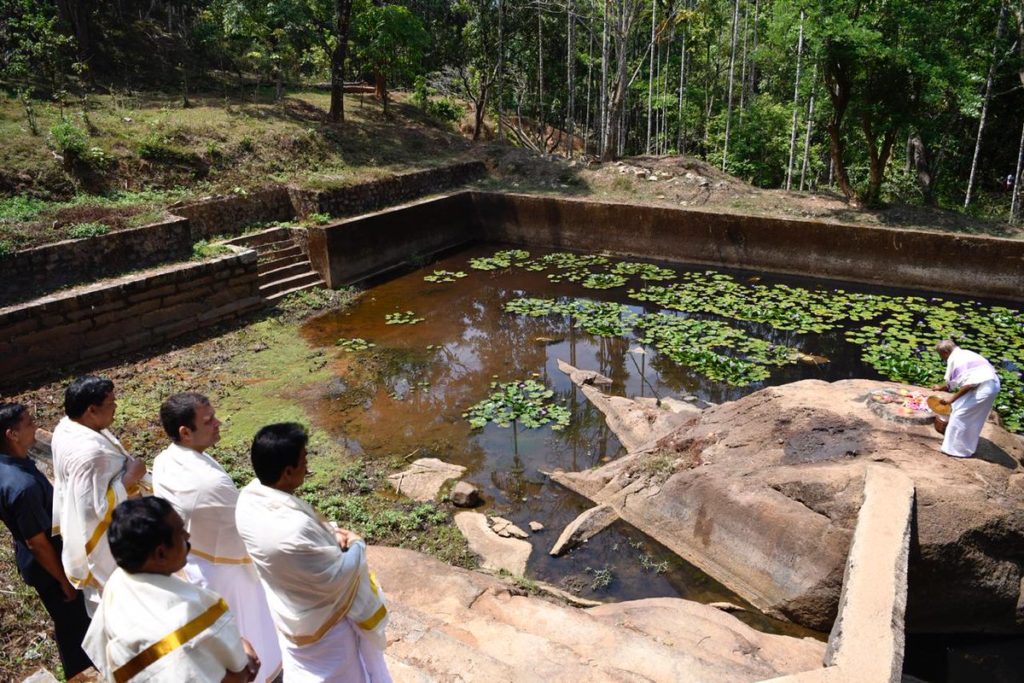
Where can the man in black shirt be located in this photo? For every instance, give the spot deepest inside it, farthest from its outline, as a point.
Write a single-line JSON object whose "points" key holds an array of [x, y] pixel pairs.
{"points": [[26, 507]]}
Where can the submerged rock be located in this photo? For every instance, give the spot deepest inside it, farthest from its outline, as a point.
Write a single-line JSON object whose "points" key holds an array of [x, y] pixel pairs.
{"points": [[584, 527], [424, 478], [637, 422], [452, 624], [496, 552], [466, 495], [506, 529], [763, 494]]}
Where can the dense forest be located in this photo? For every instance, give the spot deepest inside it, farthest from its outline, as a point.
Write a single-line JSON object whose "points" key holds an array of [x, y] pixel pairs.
{"points": [[885, 100]]}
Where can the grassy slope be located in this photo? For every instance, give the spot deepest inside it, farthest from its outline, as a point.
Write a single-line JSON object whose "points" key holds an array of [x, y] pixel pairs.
{"points": [[153, 152]]}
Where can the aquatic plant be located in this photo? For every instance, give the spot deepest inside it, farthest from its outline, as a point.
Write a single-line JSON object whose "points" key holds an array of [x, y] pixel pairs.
{"points": [[895, 334], [500, 259], [402, 318], [444, 276], [646, 271], [354, 344], [525, 402], [603, 281]]}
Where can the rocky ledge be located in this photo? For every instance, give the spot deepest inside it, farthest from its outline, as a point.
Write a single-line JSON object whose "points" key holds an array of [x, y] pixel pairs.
{"points": [[763, 493]]}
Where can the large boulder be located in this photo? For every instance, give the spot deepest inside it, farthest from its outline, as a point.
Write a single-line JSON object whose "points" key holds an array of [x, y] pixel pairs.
{"points": [[763, 493], [450, 624]]}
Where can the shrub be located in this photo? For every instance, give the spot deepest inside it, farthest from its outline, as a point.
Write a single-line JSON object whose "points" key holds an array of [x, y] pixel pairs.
{"points": [[155, 148], [7, 247], [81, 230], [445, 109], [71, 141], [20, 208]]}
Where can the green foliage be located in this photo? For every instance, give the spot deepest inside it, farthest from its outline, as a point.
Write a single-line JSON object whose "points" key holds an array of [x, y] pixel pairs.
{"points": [[71, 141], [445, 109], [83, 230], [525, 402], [318, 219], [203, 250], [7, 247], [390, 39], [155, 147], [20, 208], [602, 578]]}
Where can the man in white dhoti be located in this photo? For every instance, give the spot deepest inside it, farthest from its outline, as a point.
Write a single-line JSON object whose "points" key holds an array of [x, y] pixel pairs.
{"points": [[153, 626], [92, 473], [975, 384], [204, 495], [328, 607]]}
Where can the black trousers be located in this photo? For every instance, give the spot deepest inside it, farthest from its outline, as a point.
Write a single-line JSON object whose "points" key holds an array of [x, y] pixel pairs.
{"points": [[70, 622]]}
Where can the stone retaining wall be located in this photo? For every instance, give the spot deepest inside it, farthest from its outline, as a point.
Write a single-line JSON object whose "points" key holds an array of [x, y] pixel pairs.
{"points": [[376, 194], [352, 249], [52, 266], [89, 325], [357, 248], [939, 262], [230, 215]]}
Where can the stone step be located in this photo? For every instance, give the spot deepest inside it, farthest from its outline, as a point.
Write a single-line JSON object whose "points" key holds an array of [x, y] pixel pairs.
{"points": [[283, 250], [306, 278], [283, 270], [258, 239], [301, 288], [267, 266]]}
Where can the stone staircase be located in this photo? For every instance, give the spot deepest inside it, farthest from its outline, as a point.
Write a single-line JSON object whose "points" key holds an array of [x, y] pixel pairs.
{"points": [[283, 266]]}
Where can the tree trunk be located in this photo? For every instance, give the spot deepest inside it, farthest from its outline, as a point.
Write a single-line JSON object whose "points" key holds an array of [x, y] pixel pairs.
{"points": [[732, 70], [838, 86], [743, 59], [796, 102], [682, 86], [1018, 179], [919, 162], [380, 88], [1000, 27], [540, 78], [878, 159], [810, 126], [342, 14], [570, 77], [650, 75], [501, 70], [603, 110]]}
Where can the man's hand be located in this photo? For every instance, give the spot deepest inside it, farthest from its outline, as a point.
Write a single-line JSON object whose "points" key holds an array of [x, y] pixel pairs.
{"points": [[134, 471], [345, 538], [252, 667], [70, 592], [938, 387]]}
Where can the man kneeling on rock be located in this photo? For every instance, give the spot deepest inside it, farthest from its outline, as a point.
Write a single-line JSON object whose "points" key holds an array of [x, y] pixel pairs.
{"points": [[153, 626], [975, 383]]}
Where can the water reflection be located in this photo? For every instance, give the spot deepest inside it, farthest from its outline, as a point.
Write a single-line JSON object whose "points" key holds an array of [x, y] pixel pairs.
{"points": [[406, 397]]}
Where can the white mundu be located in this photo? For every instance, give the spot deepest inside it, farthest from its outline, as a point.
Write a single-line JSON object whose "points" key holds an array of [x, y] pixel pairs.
{"points": [[203, 494], [88, 468], [152, 627], [327, 606]]}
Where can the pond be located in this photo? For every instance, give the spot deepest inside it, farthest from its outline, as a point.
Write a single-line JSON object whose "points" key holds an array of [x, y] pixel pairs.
{"points": [[418, 351]]}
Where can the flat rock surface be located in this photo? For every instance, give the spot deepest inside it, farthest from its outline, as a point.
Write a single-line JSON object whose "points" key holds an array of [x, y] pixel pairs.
{"points": [[496, 552], [424, 478], [450, 624], [763, 493]]}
